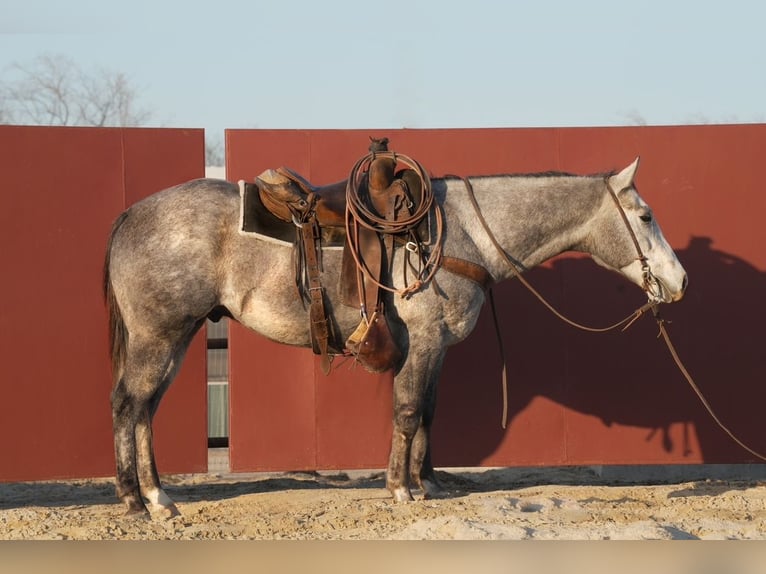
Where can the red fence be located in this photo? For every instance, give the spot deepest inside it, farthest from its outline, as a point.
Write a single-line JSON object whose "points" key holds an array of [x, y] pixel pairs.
{"points": [[62, 188], [575, 398]]}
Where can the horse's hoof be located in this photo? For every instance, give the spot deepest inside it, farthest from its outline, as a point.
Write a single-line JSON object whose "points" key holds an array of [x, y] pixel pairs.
{"points": [[136, 512], [161, 504], [166, 510], [402, 494]]}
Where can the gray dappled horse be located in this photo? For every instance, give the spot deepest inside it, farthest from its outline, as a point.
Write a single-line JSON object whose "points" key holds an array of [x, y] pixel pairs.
{"points": [[177, 257]]}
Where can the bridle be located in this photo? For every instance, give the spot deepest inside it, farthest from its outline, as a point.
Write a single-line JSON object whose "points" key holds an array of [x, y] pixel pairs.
{"points": [[649, 280]]}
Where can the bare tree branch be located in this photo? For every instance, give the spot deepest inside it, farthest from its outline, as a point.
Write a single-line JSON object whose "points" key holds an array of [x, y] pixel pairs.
{"points": [[108, 99], [52, 90]]}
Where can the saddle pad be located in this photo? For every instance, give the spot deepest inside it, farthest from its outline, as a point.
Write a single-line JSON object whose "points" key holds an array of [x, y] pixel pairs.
{"points": [[256, 219]]}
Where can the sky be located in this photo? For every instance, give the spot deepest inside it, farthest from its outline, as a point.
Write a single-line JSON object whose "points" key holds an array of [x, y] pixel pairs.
{"points": [[287, 64]]}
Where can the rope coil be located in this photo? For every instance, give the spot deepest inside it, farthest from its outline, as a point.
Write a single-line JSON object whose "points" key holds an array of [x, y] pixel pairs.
{"points": [[358, 213]]}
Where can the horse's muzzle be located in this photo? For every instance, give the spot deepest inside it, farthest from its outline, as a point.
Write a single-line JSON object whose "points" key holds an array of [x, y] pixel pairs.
{"points": [[658, 290]]}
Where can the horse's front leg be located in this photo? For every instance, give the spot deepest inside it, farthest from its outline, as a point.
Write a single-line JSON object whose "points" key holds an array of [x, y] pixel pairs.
{"points": [[422, 473], [411, 387]]}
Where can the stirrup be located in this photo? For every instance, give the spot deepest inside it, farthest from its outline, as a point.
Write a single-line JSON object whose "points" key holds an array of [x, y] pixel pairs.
{"points": [[355, 339]]}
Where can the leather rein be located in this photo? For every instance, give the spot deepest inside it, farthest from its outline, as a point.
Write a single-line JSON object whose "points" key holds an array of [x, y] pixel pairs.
{"points": [[649, 279]]}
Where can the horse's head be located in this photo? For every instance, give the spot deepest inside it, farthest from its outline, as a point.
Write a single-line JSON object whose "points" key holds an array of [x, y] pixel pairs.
{"points": [[629, 240]]}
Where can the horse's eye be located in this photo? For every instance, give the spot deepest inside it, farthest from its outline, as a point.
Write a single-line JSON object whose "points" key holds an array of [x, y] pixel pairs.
{"points": [[646, 217]]}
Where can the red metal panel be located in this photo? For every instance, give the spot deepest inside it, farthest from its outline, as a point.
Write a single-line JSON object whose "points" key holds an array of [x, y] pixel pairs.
{"points": [[56, 420], [250, 152], [575, 398], [156, 158], [63, 188], [356, 433], [271, 393]]}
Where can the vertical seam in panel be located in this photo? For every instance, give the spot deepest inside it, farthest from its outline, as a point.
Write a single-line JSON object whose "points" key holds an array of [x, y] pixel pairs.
{"points": [[565, 375], [315, 406], [123, 175], [230, 377], [310, 138], [316, 413], [226, 146]]}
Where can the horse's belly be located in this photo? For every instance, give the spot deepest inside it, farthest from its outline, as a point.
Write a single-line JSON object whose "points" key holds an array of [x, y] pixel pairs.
{"points": [[278, 323], [263, 295]]}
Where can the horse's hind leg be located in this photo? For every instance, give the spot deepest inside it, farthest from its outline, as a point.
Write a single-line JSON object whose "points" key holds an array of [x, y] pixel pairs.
{"points": [[126, 410], [146, 367], [148, 476]]}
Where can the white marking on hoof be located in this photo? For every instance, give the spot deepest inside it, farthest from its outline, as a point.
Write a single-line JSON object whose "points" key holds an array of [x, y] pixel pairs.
{"points": [[169, 511], [161, 503]]}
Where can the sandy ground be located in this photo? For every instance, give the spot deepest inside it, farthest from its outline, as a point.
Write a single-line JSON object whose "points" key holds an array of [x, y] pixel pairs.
{"points": [[481, 504]]}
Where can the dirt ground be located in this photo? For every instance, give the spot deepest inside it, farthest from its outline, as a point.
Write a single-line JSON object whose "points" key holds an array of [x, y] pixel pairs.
{"points": [[481, 504]]}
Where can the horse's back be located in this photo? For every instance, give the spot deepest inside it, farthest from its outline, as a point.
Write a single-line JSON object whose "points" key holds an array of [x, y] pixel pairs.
{"points": [[185, 199]]}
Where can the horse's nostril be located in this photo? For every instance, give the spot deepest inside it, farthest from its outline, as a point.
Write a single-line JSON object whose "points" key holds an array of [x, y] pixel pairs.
{"points": [[684, 283]]}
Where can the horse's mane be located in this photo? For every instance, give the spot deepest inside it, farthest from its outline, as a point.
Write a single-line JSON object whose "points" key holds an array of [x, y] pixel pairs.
{"points": [[537, 174]]}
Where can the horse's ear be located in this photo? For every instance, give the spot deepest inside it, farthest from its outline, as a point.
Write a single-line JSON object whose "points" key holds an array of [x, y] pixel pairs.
{"points": [[624, 179]]}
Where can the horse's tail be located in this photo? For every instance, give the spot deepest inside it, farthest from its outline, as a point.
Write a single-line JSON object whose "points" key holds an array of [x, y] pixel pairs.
{"points": [[118, 335]]}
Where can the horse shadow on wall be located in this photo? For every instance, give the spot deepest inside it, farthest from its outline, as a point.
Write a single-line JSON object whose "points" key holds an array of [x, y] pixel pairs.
{"points": [[621, 378]]}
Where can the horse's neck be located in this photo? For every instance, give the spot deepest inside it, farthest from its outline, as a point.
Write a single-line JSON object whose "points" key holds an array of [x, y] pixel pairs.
{"points": [[533, 218]]}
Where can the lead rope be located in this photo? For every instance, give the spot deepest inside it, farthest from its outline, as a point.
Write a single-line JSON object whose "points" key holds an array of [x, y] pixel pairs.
{"points": [[693, 385], [504, 370]]}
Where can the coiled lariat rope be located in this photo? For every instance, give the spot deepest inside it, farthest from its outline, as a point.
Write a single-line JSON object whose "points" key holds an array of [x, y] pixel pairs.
{"points": [[358, 213]]}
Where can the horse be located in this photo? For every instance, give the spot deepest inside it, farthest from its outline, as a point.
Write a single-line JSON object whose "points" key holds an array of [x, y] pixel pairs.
{"points": [[178, 257]]}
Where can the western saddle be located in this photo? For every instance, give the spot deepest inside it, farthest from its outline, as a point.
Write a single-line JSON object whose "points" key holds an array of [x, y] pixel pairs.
{"points": [[377, 210]]}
